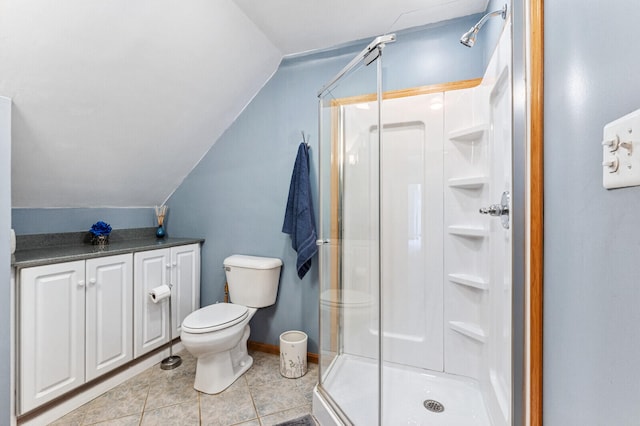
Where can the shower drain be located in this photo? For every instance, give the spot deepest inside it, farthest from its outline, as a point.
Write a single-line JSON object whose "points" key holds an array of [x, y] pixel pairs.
{"points": [[433, 406]]}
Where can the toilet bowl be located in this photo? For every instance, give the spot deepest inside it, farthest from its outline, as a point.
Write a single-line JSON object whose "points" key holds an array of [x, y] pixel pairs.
{"points": [[217, 334]]}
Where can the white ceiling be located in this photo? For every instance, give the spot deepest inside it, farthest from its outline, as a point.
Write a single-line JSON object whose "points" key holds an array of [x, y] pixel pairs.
{"points": [[303, 25], [115, 101]]}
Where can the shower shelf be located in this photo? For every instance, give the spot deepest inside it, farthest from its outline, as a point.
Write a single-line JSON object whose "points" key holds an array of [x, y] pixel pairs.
{"points": [[468, 329], [471, 182], [468, 134], [467, 231], [469, 281]]}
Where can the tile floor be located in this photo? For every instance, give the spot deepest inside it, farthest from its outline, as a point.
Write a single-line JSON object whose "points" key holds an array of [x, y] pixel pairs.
{"points": [[166, 397]]}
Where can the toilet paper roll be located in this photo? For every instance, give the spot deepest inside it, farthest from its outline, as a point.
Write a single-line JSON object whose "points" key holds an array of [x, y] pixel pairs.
{"points": [[160, 293], [13, 241]]}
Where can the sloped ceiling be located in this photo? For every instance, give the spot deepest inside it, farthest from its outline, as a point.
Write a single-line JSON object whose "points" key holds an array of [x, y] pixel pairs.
{"points": [[115, 101], [297, 26]]}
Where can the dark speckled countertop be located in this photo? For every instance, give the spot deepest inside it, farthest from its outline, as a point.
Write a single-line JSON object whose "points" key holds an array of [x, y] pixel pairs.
{"points": [[44, 249]]}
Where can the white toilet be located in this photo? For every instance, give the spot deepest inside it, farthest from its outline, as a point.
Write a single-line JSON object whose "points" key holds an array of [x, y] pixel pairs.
{"points": [[217, 334]]}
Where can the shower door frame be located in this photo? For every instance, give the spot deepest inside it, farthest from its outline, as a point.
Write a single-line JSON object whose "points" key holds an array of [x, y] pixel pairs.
{"points": [[370, 54]]}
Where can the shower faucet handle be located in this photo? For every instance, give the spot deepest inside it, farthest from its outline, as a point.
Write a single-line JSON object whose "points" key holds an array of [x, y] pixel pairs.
{"points": [[501, 210], [492, 210]]}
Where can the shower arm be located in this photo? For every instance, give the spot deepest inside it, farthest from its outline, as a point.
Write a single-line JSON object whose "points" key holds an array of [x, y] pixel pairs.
{"points": [[486, 17]]}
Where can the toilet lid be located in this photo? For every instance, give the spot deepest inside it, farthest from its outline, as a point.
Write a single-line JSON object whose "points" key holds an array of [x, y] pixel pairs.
{"points": [[214, 317]]}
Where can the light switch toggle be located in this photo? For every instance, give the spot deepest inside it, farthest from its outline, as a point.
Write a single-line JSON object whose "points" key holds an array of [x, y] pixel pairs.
{"points": [[628, 145], [612, 144], [612, 164]]}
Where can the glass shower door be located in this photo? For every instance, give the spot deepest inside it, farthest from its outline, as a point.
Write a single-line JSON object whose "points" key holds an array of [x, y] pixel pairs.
{"points": [[350, 346]]}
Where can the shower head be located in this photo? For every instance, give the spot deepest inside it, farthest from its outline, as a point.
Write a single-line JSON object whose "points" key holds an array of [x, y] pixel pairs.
{"points": [[469, 38]]}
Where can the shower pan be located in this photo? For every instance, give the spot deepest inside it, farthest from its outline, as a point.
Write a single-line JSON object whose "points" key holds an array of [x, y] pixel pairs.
{"points": [[415, 283]]}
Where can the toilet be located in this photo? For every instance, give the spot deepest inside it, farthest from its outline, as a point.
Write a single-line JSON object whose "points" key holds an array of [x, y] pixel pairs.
{"points": [[216, 335]]}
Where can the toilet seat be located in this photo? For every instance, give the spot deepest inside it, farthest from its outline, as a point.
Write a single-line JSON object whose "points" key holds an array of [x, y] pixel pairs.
{"points": [[345, 298], [214, 317]]}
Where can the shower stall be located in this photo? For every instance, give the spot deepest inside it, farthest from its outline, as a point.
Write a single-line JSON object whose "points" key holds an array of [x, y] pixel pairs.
{"points": [[415, 248]]}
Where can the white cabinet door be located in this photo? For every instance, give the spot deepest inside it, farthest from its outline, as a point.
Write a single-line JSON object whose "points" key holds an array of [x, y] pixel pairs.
{"points": [[52, 325], [109, 313], [151, 327], [185, 278]]}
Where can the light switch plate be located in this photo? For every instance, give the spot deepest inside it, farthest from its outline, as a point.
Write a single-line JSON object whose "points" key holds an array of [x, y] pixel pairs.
{"points": [[621, 152]]}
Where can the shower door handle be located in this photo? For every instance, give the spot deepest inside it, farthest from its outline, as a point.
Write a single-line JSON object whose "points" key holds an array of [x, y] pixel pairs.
{"points": [[501, 210]]}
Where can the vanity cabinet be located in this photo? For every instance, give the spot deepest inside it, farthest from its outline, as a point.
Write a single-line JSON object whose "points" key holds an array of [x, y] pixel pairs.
{"points": [[108, 314], [75, 324], [81, 314], [178, 266]]}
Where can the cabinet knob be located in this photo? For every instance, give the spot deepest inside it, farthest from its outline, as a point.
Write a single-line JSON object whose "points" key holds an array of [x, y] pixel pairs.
{"points": [[81, 283], [168, 265], [174, 264], [92, 281]]}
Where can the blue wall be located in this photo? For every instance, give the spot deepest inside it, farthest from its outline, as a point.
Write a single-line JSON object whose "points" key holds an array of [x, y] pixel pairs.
{"points": [[592, 235], [490, 32], [42, 221], [235, 197]]}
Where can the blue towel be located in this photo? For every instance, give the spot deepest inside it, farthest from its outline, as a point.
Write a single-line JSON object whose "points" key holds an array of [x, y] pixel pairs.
{"points": [[299, 220]]}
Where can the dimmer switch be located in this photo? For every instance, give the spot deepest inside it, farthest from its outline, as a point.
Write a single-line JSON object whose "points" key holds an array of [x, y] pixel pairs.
{"points": [[620, 161]]}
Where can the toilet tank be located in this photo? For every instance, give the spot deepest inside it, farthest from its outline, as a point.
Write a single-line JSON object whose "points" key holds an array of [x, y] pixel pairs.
{"points": [[253, 281]]}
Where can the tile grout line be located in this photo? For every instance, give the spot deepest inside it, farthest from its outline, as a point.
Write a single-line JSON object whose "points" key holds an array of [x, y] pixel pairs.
{"points": [[253, 402], [199, 408], [146, 398]]}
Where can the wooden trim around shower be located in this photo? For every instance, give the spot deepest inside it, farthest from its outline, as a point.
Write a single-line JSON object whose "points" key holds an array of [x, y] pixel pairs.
{"points": [[536, 213], [413, 91], [335, 252]]}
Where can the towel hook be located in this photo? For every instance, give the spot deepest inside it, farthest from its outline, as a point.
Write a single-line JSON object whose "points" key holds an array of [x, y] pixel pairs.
{"points": [[304, 139]]}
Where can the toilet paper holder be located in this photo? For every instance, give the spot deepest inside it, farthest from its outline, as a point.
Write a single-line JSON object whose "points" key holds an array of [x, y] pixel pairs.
{"points": [[172, 361]]}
